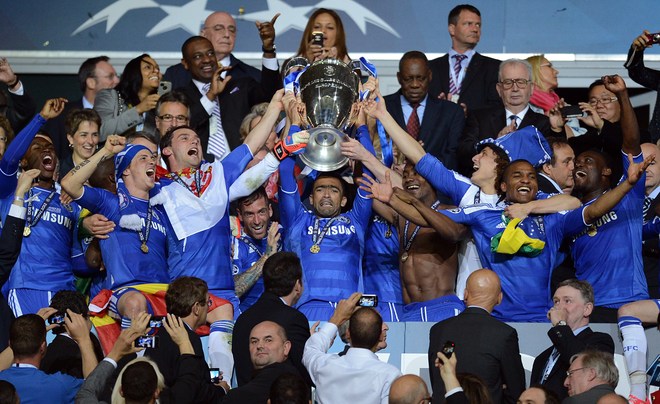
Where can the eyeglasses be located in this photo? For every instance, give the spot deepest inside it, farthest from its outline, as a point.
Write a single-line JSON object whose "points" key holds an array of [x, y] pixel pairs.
{"points": [[169, 117], [508, 83], [569, 373], [608, 100]]}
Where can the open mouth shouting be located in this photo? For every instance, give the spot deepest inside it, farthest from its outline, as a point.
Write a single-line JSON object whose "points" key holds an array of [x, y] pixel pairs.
{"points": [[47, 162]]}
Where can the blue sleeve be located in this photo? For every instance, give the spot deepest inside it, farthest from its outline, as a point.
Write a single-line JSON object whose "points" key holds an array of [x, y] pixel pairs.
{"points": [[445, 181], [234, 164], [14, 153], [573, 221], [462, 216], [364, 138], [99, 201], [638, 190], [290, 205], [651, 229]]}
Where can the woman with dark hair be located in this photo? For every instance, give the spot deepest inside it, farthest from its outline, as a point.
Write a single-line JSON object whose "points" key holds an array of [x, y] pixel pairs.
{"points": [[130, 106], [6, 134], [334, 38]]}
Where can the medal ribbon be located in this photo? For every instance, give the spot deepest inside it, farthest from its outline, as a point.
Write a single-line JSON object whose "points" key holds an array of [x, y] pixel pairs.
{"points": [[318, 237], [32, 221], [144, 236], [197, 177], [408, 243]]}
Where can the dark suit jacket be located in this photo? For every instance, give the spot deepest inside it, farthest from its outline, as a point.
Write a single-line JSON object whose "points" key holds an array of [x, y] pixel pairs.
{"points": [[235, 102], [269, 307], [650, 79], [10, 248], [20, 110], [546, 186], [568, 345], [179, 76], [441, 126], [257, 390], [486, 123], [590, 396], [63, 355], [485, 347], [478, 87]]}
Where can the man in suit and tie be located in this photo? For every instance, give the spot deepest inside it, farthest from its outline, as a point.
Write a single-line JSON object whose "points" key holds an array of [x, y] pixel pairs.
{"points": [[217, 105], [485, 346], [463, 75], [515, 89], [437, 124], [282, 275], [556, 175], [570, 334]]}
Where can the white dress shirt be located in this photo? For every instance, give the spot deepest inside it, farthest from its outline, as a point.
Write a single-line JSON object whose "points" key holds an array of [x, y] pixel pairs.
{"points": [[357, 377]]}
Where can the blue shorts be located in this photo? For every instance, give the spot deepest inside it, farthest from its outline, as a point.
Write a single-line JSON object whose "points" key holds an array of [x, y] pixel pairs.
{"points": [[113, 310], [390, 312], [435, 310], [317, 310], [28, 301]]}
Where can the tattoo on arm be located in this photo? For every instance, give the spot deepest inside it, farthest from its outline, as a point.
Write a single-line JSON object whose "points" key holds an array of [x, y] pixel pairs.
{"points": [[79, 166], [243, 282]]}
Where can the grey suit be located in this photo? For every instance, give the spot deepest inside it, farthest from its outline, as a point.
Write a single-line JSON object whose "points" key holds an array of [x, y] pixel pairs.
{"points": [[117, 117]]}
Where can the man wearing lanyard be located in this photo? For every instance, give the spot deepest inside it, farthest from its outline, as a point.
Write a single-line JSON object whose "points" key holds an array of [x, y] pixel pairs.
{"points": [[570, 334], [136, 252]]}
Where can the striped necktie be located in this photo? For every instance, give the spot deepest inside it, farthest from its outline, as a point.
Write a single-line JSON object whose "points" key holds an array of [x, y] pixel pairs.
{"points": [[455, 88], [217, 143]]}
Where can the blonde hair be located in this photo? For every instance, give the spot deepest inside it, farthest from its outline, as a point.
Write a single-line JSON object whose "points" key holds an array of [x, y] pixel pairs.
{"points": [[536, 61]]}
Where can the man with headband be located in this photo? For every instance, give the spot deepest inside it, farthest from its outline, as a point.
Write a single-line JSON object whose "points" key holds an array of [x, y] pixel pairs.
{"points": [[136, 252], [47, 259]]}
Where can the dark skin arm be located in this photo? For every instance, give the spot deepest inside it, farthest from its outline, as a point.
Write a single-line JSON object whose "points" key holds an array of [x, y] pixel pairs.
{"points": [[447, 228], [385, 193], [629, 126]]}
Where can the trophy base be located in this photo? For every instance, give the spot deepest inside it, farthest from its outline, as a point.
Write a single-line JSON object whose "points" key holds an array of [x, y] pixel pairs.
{"points": [[323, 151]]}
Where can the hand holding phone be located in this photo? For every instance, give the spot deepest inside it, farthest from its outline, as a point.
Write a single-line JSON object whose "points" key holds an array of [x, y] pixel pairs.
{"points": [[368, 301]]}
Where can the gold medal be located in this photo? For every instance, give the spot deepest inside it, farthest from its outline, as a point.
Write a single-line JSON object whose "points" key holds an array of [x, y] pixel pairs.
{"points": [[27, 231], [144, 248], [404, 256], [388, 233], [314, 249]]}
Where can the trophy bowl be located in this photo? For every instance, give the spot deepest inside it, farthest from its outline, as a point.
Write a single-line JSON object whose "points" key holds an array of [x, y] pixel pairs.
{"points": [[328, 88]]}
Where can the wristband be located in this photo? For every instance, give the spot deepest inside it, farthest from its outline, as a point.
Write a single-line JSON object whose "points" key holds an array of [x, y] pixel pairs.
{"points": [[271, 50], [280, 151], [12, 85], [19, 198]]}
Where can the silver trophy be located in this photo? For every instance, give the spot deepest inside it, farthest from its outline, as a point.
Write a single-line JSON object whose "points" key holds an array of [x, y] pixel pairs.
{"points": [[328, 88]]}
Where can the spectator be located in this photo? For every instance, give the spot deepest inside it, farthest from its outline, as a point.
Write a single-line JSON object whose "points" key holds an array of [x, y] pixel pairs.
{"points": [[82, 132], [538, 395], [6, 134], [220, 28], [63, 354], [130, 106], [283, 284], [334, 37], [20, 107], [28, 343], [359, 375], [496, 361], [463, 75], [289, 389], [409, 389], [556, 175], [592, 374], [515, 90], [570, 334], [172, 109], [644, 76], [437, 124]]}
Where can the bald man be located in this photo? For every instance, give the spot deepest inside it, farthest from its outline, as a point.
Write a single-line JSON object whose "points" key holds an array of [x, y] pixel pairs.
{"points": [[486, 347], [408, 389]]}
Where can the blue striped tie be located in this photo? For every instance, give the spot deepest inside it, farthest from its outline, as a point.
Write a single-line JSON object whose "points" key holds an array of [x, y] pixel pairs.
{"points": [[217, 143]]}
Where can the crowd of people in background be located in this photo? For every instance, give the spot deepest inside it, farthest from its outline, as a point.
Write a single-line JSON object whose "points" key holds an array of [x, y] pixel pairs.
{"points": [[164, 206]]}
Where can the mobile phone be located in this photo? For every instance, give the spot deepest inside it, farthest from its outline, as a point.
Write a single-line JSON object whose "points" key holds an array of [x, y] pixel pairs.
{"points": [[368, 301], [156, 322], [317, 38], [56, 318], [571, 111], [653, 38], [215, 375], [448, 350], [164, 87], [146, 341]]}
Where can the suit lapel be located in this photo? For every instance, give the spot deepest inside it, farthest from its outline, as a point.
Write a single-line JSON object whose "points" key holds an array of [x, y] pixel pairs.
{"points": [[470, 72], [394, 107]]}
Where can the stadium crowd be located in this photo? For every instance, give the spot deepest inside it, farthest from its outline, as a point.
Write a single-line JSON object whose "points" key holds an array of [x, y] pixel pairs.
{"points": [[161, 207]]}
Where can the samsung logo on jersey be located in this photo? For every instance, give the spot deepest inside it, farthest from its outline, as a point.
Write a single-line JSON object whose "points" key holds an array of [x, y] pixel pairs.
{"points": [[592, 230], [57, 218], [334, 230], [154, 225]]}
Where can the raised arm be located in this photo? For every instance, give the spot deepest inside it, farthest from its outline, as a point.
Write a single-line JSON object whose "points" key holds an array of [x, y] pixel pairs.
{"points": [[74, 181], [444, 226], [245, 280], [611, 198], [257, 136], [628, 121]]}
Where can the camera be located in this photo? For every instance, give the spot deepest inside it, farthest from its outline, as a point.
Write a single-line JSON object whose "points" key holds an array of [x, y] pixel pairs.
{"points": [[215, 375], [56, 318], [156, 322], [571, 111], [368, 301], [447, 350], [317, 38], [146, 341], [653, 38], [164, 87]]}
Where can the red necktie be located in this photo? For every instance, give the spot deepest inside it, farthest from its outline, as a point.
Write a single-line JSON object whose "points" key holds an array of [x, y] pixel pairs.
{"points": [[412, 127]]}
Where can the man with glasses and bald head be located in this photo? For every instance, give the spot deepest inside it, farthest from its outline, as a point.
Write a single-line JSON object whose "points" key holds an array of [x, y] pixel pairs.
{"points": [[515, 89], [592, 374]]}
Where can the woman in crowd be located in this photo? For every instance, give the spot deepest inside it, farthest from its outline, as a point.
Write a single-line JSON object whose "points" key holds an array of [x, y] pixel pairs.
{"points": [[130, 106], [334, 37], [6, 134], [82, 132]]}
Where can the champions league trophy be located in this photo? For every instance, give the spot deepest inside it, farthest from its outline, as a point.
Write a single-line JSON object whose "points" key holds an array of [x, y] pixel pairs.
{"points": [[328, 88]]}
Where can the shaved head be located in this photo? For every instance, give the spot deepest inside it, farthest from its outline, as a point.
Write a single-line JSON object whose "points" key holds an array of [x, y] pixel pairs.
{"points": [[483, 289], [408, 389]]}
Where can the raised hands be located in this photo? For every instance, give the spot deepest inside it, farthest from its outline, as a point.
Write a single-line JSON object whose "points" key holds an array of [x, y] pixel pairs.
{"points": [[382, 192], [53, 107], [267, 32], [614, 83], [635, 170]]}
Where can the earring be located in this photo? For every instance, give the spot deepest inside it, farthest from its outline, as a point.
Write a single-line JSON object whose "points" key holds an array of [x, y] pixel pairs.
{"points": [[70, 145]]}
